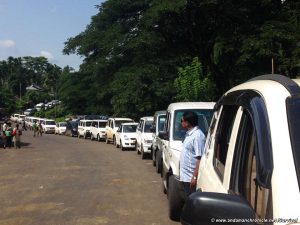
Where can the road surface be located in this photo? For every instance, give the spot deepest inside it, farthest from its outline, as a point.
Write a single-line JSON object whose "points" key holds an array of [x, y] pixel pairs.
{"points": [[59, 180]]}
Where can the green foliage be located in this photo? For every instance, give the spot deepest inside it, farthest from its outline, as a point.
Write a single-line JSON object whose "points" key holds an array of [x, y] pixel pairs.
{"points": [[192, 85]]}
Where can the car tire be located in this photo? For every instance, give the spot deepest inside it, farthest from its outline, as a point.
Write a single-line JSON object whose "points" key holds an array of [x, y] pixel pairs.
{"points": [[98, 137], [153, 154], [158, 162], [84, 136], [92, 137], [174, 200], [121, 145], [137, 150], [114, 141], [143, 155]]}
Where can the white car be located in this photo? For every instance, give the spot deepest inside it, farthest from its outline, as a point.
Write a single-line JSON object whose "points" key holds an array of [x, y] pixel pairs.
{"points": [[251, 169], [126, 136], [60, 128], [14, 117], [84, 128], [172, 138], [144, 136], [48, 126], [97, 130], [112, 126]]}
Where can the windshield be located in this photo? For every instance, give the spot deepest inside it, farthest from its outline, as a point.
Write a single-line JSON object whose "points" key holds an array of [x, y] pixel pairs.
{"points": [[204, 118], [119, 122], [129, 128], [102, 124], [50, 122], [63, 124], [147, 126]]}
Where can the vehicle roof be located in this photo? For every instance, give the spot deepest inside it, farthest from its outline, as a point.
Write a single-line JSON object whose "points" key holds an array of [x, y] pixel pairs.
{"points": [[147, 118], [191, 105], [161, 112], [129, 124], [263, 86], [86, 120], [99, 120], [119, 118]]}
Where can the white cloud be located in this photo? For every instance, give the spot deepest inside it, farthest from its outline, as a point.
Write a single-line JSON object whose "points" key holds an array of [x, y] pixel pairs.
{"points": [[46, 54], [7, 44]]}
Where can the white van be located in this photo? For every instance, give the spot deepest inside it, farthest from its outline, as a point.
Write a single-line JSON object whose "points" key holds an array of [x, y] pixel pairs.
{"points": [[48, 126], [97, 130], [84, 128], [172, 138], [144, 136]]}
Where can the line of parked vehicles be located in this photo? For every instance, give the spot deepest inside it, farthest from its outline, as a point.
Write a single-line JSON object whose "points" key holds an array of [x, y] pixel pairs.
{"points": [[251, 168]]}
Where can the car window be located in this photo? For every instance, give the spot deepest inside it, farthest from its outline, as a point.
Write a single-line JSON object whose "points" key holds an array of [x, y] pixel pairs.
{"points": [[119, 122], [88, 124], [204, 118], [223, 134], [243, 175], [102, 124], [50, 122], [161, 122], [129, 128], [147, 127]]}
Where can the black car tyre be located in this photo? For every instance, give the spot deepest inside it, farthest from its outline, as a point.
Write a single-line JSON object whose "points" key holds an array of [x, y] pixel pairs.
{"points": [[143, 155], [158, 162]]}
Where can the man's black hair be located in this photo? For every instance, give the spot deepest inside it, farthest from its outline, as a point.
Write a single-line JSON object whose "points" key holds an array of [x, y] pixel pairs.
{"points": [[190, 117]]}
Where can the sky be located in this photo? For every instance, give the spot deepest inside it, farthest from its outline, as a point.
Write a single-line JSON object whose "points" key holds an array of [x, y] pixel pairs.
{"points": [[40, 28]]}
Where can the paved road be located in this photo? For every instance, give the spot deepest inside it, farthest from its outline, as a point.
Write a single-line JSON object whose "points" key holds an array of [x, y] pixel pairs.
{"points": [[58, 180]]}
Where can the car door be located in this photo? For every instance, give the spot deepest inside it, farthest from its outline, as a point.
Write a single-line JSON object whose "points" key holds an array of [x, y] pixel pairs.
{"points": [[215, 166], [118, 134]]}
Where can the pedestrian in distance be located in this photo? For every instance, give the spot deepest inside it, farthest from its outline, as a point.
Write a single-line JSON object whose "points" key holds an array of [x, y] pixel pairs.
{"points": [[34, 128], [16, 133], [24, 125], [40, 129], [8, 136], [192, 150]]}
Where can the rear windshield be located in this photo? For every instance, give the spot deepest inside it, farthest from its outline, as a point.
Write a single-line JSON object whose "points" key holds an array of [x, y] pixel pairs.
{"points": [[119, 122], [129, 128], [102, 124], [204, 119], [293, 112], [50, 122]]}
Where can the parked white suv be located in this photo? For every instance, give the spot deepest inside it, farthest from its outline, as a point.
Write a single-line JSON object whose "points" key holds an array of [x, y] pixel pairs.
{"points": [[144, 136], [112, 126], [48, 126], [97, 130], [158, 126], [126, 136], [172, 138], [84, 128], [251, 169]]}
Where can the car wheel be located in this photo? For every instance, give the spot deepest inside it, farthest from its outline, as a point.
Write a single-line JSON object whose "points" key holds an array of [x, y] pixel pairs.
{"points": [[98, 137], [114, 141], [117, 146], [136, 148], [92, 137], [121, 145], [84, 136], [158, 162], [153, 153], [174, 200], [143, 155]]}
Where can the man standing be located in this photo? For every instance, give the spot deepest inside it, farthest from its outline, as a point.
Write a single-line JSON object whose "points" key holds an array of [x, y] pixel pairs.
{"points": [[192, 150]]}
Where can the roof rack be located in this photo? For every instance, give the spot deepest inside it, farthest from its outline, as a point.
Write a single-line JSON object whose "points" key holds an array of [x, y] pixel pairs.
{"points": [[292, 87]]}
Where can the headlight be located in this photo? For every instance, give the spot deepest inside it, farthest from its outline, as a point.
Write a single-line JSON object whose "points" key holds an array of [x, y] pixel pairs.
{"points": [[126, 138]]}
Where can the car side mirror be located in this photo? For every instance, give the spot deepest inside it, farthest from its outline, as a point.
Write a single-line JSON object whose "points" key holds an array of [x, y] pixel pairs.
{"points": [[163, 135], [210, 207]]}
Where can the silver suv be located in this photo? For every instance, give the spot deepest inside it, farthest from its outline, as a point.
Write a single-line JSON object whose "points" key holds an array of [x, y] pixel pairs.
{"points": [[251, 169]]}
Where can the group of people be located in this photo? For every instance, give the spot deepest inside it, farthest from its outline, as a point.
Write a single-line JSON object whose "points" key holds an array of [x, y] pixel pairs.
{"points": [[11, 136]]}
